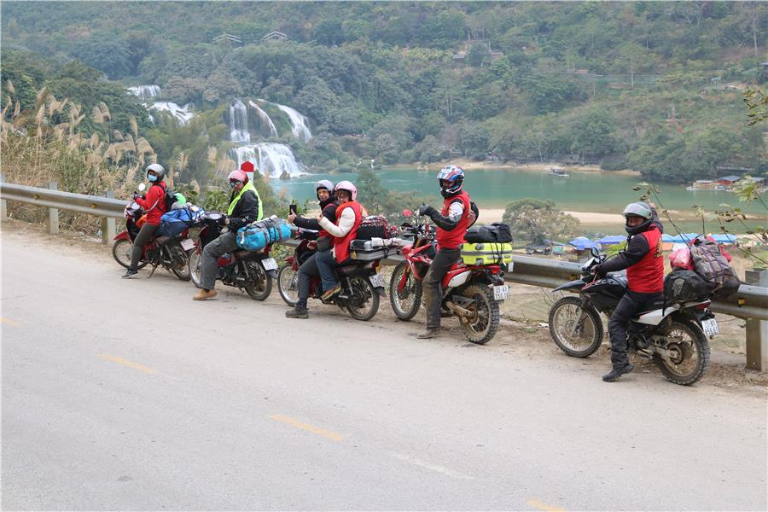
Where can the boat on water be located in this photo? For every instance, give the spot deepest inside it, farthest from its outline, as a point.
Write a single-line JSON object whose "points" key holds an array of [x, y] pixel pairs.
{"points": [[558, 171]]}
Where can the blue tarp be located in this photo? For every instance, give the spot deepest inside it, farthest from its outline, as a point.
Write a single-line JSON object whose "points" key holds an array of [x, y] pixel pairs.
{"points": [[612, 240], [582, 243], [723, 238], [685, 238], [667, 238]]}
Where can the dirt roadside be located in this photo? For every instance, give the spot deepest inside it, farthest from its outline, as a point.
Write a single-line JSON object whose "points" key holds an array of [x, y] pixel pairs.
{"points": [[523, 331]]}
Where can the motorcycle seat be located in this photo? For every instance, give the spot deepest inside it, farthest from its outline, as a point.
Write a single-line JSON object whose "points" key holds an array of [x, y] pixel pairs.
{"points": [[653, 305]]}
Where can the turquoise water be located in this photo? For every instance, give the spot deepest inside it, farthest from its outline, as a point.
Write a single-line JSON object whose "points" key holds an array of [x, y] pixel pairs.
{"points": [[601, 192]]}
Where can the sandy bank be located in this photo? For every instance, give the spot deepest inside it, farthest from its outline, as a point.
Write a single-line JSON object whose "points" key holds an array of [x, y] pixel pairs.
{"points": [[469, 165]]}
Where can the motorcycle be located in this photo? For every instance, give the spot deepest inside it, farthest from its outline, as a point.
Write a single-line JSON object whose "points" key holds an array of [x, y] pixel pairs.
{"points": [[252, 271], [172, 253], [673, 335], [361, 283], [470, 292]]}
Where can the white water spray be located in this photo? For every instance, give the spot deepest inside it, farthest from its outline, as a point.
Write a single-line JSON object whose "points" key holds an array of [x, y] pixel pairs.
{"points": [[182, 114], [238, 122], [273, 160], [264, 118]]}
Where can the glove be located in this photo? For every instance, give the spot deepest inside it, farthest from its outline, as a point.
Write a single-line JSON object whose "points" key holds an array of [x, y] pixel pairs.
{"points": [[135, 196], [426, 210], [598, 271]]}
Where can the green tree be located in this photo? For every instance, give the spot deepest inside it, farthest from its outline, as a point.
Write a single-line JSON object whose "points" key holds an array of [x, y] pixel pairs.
{"points": [[106, 51], [537, 221]]}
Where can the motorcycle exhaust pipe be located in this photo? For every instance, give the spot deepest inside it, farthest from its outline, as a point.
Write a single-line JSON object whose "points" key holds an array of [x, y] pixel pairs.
{"points": [[457, 310]]}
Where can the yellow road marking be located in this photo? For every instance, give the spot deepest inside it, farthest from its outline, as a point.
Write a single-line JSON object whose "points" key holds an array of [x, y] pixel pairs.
{"points": [[9, 322], [129, 364], [543, 506], [309, 428]]}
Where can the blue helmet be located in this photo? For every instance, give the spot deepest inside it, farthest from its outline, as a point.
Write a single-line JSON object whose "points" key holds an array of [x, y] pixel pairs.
{"points": [[451, 178]]}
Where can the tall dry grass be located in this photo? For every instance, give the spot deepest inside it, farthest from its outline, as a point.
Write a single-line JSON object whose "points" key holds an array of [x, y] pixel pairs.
{"points": [[47, 144]]}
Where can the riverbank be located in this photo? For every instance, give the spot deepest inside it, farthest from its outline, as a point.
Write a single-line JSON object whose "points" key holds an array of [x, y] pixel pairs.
{"points": [[470, 165]]}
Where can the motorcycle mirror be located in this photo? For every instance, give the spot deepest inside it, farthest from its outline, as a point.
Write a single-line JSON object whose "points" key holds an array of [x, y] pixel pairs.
{"points": [[407, 213], [594, 252], [142, 187]]}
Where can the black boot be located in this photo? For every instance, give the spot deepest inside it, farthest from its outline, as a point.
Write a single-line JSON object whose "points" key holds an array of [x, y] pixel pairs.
{"points": [[297, 312], [617, 372]]}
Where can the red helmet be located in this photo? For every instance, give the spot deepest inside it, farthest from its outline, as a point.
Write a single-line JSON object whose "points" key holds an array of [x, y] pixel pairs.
{"points": [[238, 176]]}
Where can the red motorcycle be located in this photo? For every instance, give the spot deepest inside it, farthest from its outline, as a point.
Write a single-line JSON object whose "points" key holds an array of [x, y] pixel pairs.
{"points": [[360, 281], [470, 292], [251, 271], [172, 253]]}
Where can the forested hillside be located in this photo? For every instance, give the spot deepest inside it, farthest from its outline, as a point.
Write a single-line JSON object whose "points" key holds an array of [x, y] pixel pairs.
{"points": [[654, 86]]}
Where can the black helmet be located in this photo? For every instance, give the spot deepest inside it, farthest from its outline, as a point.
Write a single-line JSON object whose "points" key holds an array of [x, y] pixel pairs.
{"points": [[639, 209]]}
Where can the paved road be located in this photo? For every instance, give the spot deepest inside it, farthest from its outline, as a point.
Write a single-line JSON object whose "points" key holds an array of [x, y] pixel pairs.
{"points": [[128, 395]]}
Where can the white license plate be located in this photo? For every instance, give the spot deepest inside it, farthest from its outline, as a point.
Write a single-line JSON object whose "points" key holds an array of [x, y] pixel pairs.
{"points": [[269, 264], [187, 244], [377, 281], [501, 292], [710, 327]]}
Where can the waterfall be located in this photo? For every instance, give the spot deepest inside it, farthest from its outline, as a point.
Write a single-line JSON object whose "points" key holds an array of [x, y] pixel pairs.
{"points": [[238, 122], [145, 91], [182, 114], [273, 160], [264, 118], [300, 129]]}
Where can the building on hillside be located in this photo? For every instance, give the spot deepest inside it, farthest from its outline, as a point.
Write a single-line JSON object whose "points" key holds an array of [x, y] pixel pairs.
{"points": [[727, 181], [275, 36]]}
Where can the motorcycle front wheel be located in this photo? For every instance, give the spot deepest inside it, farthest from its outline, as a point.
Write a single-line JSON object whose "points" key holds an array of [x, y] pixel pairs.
{"points": [[259, 284], [484, 321], [288, 285], [122, 250], [196, 267], [689, 350], [578, 332], [364, 302], [405, 303]]}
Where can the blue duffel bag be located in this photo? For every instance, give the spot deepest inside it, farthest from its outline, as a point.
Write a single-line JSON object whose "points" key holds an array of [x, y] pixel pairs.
{"points": [[174, 222], [258, 235]]}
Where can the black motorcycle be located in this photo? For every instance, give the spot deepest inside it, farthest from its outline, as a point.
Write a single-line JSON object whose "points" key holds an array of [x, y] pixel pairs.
{"points": [[252, 271], [673, 335]]}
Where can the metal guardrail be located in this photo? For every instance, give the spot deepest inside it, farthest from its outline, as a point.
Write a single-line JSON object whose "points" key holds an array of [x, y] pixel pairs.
{"points": [[749, 302]]}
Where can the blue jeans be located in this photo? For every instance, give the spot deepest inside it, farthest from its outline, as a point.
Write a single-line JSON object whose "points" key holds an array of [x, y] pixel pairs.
{"points": [[326, 264]]}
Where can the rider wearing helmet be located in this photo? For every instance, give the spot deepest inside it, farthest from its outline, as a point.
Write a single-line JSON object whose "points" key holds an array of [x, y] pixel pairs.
{"points": [[349, 215], [153, 202], [644, 262], [244, 207], [452, 223], [328, 204]]}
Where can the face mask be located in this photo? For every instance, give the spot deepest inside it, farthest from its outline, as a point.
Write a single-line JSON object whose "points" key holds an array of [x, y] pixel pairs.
{"points": [[152, 177]]}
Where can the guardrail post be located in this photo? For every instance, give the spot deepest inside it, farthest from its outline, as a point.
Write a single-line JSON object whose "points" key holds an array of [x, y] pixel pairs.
{"points": [[108, 225], [757, 330], [3, 205], [53, 213]]}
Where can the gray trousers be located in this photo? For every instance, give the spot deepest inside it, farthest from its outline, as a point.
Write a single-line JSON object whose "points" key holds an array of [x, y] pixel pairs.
{"points": [[443, 261], [145, 235], [211, 254]]}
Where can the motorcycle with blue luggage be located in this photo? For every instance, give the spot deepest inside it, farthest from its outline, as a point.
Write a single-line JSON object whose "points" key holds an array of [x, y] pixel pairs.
{"points": [[249, 270], [169, 250]]}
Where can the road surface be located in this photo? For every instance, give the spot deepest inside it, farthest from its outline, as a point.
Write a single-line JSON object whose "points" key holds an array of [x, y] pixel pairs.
{"points": [[127, 395]]}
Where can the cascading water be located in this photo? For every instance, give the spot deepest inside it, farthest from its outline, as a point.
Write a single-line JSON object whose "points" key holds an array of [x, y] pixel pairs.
{"points": [[145, 91], [300, 129], [238, 122], [273, 160], [182, 114], [264, 118]]}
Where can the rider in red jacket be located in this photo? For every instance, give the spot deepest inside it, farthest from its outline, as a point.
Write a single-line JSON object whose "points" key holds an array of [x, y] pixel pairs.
{"points": [[452, 223], [154, 204], [644, 262]]}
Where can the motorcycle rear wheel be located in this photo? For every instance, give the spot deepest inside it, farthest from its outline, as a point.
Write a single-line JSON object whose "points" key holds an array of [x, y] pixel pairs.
{"points": [[406, 302], [364, 303], [196, 267], [181, 269], [689, 343], [122, 250], [288, 285], [588, 332], [261, 287], [485, 322]]}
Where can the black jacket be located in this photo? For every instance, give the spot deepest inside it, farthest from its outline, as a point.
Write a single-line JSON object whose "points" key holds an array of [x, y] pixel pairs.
{"points": [[328, 210], [246, 210]]}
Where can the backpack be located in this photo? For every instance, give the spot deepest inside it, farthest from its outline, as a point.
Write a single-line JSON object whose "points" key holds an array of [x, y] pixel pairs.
{"points": [[259, 234], [496, 232], [373, 226], [711, 265], [685, 286], [173, 200]]}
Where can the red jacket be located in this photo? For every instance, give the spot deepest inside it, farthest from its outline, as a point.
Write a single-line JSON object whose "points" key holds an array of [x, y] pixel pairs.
{"points": [[341, 245], [154, 203], [454, 238], [647, 275]]}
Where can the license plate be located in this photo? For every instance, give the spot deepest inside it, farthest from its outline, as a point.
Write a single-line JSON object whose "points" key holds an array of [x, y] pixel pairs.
{"points": [[187, 244], [269, 264], [710, 327], [501, 292], [377, 281]]}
